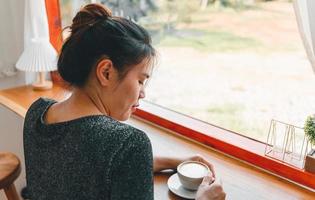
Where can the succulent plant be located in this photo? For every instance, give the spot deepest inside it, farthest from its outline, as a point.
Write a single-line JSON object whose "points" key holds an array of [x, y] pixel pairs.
{"points": [[309, 128]]}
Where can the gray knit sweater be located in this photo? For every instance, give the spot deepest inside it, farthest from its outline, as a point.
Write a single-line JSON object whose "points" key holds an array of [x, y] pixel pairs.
{"points": [[93, 157]]}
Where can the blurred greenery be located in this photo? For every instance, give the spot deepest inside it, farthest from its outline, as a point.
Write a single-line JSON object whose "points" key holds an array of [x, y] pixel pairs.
{"points": [[211, 41], [310, 129], [227, 115], [182, 23]]}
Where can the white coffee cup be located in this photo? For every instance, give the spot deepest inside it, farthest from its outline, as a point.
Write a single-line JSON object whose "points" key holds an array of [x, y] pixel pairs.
{"points": [[191, 174]]}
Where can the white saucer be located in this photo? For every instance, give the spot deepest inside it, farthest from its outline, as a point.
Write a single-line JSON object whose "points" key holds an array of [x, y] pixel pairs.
{"points": [[176, 187]]}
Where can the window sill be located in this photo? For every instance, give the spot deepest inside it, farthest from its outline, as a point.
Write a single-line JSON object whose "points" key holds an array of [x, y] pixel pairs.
{"points": [[228, 142]]}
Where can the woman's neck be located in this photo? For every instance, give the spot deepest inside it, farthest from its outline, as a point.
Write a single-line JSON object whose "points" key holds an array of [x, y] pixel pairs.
{"points": [[87, 101], [81, 103]]}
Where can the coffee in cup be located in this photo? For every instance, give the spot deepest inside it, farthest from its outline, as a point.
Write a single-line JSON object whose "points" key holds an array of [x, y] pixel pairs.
{"points": [[191, 174]]}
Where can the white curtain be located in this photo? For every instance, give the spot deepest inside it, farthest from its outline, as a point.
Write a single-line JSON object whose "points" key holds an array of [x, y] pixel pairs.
{"points": [[305, 15], [11, 35], [35, 21]]}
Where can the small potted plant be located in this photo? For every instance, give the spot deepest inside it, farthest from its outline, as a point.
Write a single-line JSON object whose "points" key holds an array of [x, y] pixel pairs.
{"points": [[309, 129]]}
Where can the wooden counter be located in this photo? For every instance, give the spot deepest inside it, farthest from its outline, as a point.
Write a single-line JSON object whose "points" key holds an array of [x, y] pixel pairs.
{"points": [[240, 180]]}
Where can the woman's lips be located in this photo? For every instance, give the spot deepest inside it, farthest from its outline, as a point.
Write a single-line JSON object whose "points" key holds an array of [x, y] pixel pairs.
{"points": [[134, 107]]}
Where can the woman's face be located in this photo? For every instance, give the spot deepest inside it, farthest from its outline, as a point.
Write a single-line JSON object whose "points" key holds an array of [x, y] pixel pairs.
{"points": [[125, 96]]}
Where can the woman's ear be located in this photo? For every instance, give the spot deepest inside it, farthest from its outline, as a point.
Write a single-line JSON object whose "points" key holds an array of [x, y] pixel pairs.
{"points": [[105, 71]]}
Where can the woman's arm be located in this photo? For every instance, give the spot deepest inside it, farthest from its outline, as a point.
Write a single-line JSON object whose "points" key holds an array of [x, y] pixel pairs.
{"points": [[132, 176], [162, 163]]}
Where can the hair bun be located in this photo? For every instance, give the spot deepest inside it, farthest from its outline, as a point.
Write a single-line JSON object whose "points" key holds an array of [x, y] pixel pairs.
{"points": [[89, 15]]}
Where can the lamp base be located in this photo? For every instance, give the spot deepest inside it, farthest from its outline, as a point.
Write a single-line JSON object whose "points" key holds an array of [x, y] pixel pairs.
{"points": [[46, 85]]}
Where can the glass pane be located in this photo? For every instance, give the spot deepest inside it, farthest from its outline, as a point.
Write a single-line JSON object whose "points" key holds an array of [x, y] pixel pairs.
{"points": [[235, 64]]}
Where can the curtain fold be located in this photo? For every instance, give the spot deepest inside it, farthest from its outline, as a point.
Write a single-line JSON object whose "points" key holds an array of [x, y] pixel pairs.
{"points": [[35, 21], [305, 17]]}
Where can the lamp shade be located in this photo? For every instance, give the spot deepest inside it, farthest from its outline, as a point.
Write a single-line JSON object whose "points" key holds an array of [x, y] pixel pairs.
{"points": [[38, 56]]}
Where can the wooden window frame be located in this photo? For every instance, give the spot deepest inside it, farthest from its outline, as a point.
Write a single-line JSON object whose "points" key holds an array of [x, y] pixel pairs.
{"points": [[228, 142]]}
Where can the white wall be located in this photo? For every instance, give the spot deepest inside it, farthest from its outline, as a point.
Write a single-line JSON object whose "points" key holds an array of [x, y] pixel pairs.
{"points": [[11, 35], [11, 46], [12, 81]]}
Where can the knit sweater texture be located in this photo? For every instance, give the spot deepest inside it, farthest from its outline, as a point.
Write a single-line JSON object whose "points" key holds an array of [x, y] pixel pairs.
{"points": [[89, 158]]}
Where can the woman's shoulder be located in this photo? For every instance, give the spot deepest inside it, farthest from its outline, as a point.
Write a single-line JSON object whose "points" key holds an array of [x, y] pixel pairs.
{"points": [[107, 135], [111, 133], [106, 126], [40, 104], [38, 107]]}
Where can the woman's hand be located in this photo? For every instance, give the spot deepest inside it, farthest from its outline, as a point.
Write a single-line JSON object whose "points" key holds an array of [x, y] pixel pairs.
{"points": [[209, 190], [162, 163], [199, 158]]}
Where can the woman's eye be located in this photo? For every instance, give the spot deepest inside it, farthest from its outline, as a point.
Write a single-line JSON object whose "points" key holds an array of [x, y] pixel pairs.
{"points": [[141, 82]]}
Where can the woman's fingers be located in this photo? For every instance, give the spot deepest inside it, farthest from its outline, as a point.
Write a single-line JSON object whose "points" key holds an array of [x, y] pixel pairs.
{"points": [[207, 191], [207, 180], [201, 159], [210, 167]]}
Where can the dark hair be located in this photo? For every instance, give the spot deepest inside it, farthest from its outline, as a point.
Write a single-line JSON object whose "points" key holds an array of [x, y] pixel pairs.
{"points": [[96, 34]]}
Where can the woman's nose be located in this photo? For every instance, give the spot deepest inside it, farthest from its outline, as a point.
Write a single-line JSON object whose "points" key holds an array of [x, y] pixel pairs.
{"points": [[142, 94]]}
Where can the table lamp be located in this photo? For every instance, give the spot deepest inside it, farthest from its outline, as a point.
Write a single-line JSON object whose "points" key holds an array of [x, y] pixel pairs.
{"points": [[39, 56]]}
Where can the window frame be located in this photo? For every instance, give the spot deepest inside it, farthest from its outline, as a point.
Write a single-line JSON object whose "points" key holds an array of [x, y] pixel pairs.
{"points": [[218, 138]]}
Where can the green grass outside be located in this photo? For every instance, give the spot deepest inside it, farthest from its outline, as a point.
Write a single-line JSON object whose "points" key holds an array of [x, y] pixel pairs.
{"points": [[210, 41], [229, 115]]}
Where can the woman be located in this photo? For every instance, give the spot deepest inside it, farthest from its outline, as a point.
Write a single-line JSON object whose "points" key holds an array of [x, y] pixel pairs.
{"points": [[78, 149]]}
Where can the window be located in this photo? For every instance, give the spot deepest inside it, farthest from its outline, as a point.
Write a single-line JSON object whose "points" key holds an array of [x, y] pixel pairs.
{"points": [[235, 65]]}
